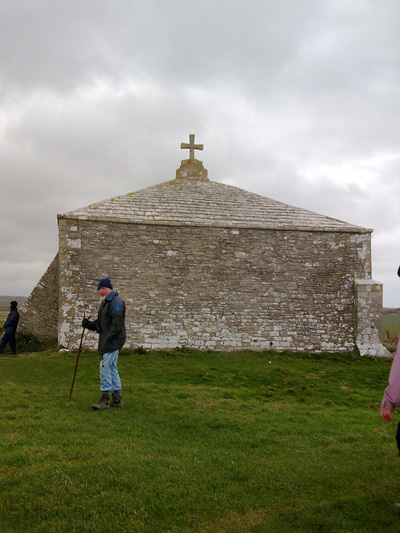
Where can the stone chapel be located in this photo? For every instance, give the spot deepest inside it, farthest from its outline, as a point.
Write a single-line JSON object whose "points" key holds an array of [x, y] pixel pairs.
{"points": [[206, 265]]}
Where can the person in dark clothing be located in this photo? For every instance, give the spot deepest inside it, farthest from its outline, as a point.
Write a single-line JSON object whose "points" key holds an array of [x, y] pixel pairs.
{"points": [[110, 325], [10, 327]]}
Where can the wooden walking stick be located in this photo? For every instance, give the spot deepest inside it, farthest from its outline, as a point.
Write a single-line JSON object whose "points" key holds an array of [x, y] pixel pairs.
{"points": [[76, 364]]}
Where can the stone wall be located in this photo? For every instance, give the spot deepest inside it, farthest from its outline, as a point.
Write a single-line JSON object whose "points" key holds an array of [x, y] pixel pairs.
{"points": [[215, 288], [39, 314], [368, 300]]}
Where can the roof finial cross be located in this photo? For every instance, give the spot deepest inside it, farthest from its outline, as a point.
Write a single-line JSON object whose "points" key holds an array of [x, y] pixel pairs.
{"points": [[191, 146]]}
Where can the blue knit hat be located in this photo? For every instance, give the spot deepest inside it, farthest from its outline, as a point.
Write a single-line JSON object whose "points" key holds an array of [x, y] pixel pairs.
{"points": [[105, 283]]}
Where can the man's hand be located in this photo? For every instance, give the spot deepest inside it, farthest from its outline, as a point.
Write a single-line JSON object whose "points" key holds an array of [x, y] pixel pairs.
{"points": [[386, 414], [85, 323]]}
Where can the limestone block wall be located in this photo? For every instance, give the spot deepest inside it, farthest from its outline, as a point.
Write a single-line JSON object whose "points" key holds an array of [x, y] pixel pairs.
{"points": [[368, 300], [215, 288], [39, 314]]}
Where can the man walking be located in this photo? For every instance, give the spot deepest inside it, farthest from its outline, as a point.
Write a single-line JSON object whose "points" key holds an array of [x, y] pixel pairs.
{"points": [[110, 324], [10, 327]]}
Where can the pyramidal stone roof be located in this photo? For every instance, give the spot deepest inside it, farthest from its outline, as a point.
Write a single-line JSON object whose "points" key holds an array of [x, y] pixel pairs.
{"points": [[193, 200]]}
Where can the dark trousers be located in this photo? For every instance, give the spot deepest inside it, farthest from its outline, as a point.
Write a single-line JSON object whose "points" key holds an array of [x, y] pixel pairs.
{"points": [[8, 338]]}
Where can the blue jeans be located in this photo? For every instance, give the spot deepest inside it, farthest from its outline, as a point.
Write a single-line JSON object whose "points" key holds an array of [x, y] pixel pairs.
{"points": [[109, 377]]}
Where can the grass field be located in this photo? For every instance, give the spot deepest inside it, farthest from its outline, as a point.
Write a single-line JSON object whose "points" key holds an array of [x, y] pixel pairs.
{"points": [[390, 324], [207, 442]]}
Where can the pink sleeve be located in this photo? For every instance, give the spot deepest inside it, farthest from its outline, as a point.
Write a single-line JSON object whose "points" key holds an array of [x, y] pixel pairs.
{"points": [[391, 397]]}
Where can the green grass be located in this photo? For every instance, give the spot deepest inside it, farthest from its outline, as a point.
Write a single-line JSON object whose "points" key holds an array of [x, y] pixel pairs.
{"points": [[390, 324], [207, 442]]}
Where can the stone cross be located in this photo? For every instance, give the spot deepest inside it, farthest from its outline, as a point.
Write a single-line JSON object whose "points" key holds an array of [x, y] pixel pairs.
{"points": [[192, 147]]}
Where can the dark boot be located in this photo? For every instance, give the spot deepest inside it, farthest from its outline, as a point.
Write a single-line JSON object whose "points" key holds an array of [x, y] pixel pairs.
{"points": [[104, 402], [116, 400]]}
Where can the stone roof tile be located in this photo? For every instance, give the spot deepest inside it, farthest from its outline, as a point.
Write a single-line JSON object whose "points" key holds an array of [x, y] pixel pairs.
{"points": [[201, 202]]}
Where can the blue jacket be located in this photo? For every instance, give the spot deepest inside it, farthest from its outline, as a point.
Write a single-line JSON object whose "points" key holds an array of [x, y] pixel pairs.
{"points": [[110, 324]]}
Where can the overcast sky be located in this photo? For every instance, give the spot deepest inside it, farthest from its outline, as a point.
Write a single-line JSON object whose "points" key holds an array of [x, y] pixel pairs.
{"points": [[296, 100]]}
